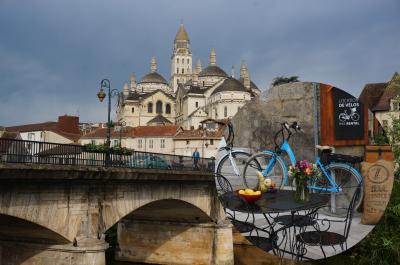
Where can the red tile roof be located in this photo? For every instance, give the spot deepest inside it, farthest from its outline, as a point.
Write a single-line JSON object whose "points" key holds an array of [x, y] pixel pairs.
{"points": [[199, 134], [162, 130], [102, 132], [45, 126], [392, 90], [371, 94]]}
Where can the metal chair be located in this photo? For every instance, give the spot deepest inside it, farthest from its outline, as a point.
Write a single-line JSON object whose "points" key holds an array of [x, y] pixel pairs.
{"points": [[246, 226], [322, 237], [223, 186]]}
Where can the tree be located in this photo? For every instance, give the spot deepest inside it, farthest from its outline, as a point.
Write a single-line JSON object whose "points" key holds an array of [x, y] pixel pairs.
{"points": [[284, 80], [394, 137]]}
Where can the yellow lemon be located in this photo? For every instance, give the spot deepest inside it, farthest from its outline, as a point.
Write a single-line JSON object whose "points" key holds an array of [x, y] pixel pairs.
{"points": [[257, 192], [241, 192], [248, 191]]}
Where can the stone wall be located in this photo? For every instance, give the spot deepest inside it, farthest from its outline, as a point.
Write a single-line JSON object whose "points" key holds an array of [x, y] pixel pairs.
{"points": [[257, 122], [73, 206]]}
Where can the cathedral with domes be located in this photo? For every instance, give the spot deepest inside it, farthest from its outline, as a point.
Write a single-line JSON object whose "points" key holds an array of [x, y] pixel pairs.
{"points": [[190, 96]]}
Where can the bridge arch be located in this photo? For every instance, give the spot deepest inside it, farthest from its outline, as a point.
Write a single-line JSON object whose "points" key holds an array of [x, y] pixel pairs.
{"points": [[115, 208], [17, 229]]}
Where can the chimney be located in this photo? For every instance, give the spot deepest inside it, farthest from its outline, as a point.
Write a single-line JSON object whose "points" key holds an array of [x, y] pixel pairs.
{"points": [[68, 124]]}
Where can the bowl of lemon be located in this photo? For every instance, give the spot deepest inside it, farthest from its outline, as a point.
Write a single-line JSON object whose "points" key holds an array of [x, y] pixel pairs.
{"points": [[250, 195]]}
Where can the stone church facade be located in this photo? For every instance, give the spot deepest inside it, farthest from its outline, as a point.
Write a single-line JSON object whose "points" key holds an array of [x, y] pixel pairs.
{"points": [[190, 96]]}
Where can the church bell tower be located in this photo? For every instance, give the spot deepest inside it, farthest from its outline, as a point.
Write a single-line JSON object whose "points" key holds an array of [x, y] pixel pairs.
{"points": [[181, 60]]}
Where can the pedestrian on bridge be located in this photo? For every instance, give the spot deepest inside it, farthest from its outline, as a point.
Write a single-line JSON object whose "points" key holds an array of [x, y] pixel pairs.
{"points": [[196, 158]]}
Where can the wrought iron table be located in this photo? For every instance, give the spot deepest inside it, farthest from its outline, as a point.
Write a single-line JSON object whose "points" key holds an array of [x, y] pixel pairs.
{"points": [[281, 229]]}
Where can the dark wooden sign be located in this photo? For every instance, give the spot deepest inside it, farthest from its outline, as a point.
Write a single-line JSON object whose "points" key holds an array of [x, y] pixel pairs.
{"points": [[340, 123], [348, 116]]}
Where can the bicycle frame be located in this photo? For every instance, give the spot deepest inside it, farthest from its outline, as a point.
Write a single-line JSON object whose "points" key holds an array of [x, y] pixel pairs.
{"points": [[285, 147], [232, 161]]}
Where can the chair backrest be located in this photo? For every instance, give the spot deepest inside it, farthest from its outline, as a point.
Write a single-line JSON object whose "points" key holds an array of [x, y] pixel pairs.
{"points": [[350, 210], [222, 184]]}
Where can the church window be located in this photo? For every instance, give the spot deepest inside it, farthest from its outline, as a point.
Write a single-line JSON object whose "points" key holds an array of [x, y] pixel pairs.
{"points": [[211, 141], [203, 83], [133, 110], [162, 143], [168, 108], [159, 107], [140, 143], [197, 104], [187, 61], [177, 70], [225, 111], [177, 60], [187, 142], [150, 107], [183, 71], [151, 144]]}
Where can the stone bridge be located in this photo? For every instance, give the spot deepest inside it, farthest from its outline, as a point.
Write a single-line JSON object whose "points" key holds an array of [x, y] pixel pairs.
{"points": [[58, 215]]}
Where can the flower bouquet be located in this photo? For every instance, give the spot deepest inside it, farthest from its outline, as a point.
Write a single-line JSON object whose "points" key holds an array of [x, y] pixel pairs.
{"points": [[301, 173]]}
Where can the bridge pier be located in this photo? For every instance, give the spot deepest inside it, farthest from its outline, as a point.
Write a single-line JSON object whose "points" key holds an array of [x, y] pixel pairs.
{"points": [[157, 242], [86, 252]]}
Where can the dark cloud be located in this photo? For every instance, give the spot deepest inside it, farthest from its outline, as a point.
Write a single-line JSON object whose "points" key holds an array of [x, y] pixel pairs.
{"points": [[53, 54]]}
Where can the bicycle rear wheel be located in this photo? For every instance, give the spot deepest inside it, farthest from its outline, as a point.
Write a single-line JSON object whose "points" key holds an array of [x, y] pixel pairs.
{"points": [[347, 178], [226, 168], [259, 162]]}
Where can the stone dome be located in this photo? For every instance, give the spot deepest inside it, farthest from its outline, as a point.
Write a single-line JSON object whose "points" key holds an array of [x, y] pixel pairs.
{"points": [[212, 70], [230, 84], [153, 78]]}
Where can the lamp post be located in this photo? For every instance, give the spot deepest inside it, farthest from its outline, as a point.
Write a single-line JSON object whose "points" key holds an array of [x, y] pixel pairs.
{"points": [[105, 83], [122, 125]]}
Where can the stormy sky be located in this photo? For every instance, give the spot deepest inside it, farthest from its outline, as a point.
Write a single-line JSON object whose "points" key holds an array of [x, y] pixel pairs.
{"points": [[53, 54]]}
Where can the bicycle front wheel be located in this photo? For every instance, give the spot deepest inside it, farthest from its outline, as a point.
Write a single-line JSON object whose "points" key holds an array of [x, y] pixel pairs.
{"points": [[259, 162], [231, 167], [347, 179]]}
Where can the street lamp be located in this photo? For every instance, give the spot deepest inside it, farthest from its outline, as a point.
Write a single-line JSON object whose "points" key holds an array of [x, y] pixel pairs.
{"points": [[122, 126], [105, 83]]}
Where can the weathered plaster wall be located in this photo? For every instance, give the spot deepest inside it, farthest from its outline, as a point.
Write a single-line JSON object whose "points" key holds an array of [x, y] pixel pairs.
{"points": [[257, 122]]}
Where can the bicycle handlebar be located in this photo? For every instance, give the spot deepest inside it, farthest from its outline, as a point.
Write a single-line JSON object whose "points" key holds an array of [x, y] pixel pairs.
{"points": [[231, 135], [288, 128]]}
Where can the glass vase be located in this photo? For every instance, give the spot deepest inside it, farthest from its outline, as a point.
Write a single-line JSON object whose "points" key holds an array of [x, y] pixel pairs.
{"points": [[302, 193]]}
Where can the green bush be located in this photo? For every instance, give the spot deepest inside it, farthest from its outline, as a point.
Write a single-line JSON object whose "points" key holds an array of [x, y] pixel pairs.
{"points": [[104, 148], [381, 139]]}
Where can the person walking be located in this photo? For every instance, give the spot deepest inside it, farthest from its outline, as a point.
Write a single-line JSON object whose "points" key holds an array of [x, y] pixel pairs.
{"points": [[196, 158]]}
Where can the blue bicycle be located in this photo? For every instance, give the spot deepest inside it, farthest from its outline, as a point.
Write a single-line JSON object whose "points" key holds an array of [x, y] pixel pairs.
{"points": [[336, 173]]}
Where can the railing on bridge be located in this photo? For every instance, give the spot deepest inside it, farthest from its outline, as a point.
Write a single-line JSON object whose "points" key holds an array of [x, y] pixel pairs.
{"points": [[33, 152]]}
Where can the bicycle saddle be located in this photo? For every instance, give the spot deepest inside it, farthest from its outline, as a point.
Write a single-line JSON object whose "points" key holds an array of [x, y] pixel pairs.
{"points": [[324, 147]]}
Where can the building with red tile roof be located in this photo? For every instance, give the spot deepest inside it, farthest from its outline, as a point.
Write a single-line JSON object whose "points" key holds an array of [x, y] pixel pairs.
{"points": [[382, 99], [64, 130]]}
